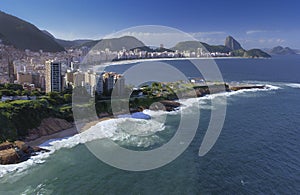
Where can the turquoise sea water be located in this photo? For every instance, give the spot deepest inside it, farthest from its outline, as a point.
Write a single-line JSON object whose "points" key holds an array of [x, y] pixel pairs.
{"points": [[258, 151]]}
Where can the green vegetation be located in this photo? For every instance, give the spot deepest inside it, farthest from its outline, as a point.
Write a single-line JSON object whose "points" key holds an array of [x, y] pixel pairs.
{"points": [[23, 35], [239, 52], [9, 89], [256, 53], [17, 117]]}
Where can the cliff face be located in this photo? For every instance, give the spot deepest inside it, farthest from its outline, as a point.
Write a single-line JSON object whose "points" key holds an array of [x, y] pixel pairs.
{"points": [[48, 127], [232, 44], [18, 151]]}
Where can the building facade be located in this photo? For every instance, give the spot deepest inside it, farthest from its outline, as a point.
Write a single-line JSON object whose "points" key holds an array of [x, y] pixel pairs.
{"points": [[53, 77]]}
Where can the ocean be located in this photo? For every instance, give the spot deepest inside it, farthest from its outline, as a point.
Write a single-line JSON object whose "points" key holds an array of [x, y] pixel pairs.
{"points": [[257, 152]]}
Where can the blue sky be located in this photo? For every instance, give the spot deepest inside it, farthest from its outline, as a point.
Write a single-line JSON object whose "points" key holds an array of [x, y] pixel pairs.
{"points": [[254, 23]]}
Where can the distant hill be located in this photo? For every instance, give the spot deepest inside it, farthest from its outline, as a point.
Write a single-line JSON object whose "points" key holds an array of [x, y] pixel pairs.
{"points": [[69, 44], [194, 45], [279, 50], [144, 48], [23, 35], [116, 44], [73, 44], [256, 53], [231, 45], [88, 44]]}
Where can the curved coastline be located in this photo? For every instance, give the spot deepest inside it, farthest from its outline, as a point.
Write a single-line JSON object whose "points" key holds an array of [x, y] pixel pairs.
{"points": [[124, 62]]}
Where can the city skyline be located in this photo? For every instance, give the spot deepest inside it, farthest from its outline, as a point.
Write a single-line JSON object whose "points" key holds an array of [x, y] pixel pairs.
{"points": [[254, 24]]}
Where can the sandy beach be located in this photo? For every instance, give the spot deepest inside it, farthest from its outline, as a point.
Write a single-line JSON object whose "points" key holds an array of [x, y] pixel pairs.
{"points": [[61, 134], [65, 133]]}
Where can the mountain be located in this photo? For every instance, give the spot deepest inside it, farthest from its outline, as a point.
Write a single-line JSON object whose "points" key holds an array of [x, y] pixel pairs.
{"points": [[88, 44], [279, 50], [48, 33], [113, 44], [232, 44], [73, 44], [69, 44], [144, 48], [116, 44], [194, 45], [23, 35]]}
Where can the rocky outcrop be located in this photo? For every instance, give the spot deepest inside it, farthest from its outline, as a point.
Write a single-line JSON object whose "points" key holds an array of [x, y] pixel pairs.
{"points": [[166, 105], [48, 126], [240, 87], [16, 152], [232, 44]]}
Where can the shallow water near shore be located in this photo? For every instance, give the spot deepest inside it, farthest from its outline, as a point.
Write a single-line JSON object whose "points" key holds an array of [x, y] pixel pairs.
{"points": [[257, 151]]}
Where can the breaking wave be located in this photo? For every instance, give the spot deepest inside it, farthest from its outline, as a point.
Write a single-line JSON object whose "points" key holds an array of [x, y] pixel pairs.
{"points": [[293, 85], [126, 129]]}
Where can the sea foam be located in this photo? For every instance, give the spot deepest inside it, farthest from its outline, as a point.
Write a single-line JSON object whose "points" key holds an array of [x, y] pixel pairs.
{"points": [[293, 85], [120, 129]]}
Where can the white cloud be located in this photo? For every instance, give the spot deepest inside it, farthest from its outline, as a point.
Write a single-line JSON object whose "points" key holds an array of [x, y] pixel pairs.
{"points": [[255, 31], [200, 34], [280, 40]]}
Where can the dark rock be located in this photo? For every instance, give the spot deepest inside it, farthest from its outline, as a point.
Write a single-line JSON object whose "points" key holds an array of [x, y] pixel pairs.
{"points": [[170, 105], [6, 145], [8, 156], [12, 153], [232, 44]]}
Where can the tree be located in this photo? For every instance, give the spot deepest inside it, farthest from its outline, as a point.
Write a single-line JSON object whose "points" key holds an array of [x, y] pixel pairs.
{"points": [[14, 87], [6, 92], [68, 98], [26, 93]]}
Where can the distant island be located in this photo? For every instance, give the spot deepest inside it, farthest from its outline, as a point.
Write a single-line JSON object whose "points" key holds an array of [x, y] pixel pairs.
{"points": [[279, 50]]}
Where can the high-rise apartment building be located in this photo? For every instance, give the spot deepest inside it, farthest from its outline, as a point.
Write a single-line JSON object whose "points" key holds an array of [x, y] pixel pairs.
{"points": [[53, 77]]}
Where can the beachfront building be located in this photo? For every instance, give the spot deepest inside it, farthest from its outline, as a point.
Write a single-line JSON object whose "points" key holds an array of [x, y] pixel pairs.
{"points": [[96, 82]]}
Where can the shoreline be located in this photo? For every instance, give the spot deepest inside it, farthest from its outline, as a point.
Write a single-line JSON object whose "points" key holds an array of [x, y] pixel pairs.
{"points": [[39, 143], [124, 62], [65, 133], [61, 134], [81, 127]]}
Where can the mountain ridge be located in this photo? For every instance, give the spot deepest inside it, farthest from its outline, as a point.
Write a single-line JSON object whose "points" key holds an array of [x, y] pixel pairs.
{"points": [[231, 45], [24, 35], [279, 50]]}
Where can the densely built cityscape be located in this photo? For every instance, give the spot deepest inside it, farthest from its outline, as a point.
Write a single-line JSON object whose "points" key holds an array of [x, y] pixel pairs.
{"points": [[54, 72]]}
